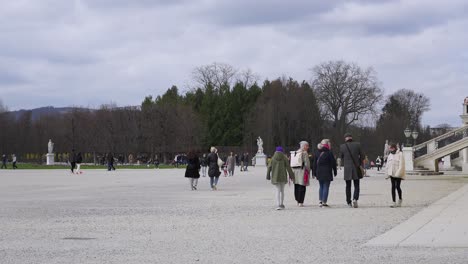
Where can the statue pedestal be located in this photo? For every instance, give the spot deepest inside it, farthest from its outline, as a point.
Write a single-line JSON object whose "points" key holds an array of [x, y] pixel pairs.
{"points": [[260, 160], [50, 158], [408, 156]]}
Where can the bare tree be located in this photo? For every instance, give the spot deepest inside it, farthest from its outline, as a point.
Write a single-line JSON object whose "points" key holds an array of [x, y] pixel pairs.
{"points": [[247, 78], [415, 103], [346, 92], [215, 75]]}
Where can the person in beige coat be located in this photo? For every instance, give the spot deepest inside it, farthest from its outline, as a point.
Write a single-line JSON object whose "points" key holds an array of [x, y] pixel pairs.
{"points": [[300, 164], [395, 170]]}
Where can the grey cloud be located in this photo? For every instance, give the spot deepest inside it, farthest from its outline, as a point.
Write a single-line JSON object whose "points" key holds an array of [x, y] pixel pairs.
{"points": [[11, 78]]}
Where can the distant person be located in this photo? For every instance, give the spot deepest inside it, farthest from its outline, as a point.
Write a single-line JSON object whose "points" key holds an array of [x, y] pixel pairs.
{"points": [[246, 161], [231, 164], [277, 172], [379, 163], [300, 165], [213, 168], [79, 160], [14, 161], [110, 162], [242, 162], [192, 172], [72, 159], [156, 162], [395, 170], [352, 155], [324, 169], [339, 163], [4, 161], [204, 165]]}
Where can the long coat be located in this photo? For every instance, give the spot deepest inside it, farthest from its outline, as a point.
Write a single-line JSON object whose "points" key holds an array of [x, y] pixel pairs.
{"points": [[193, 168], [350, 170], [324, 165], [299, 172], [213, 168], [278, 168], [231, 163]]}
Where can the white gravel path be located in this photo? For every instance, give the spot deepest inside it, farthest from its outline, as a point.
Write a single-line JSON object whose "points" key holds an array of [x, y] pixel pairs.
{"points": [[151, 216]]}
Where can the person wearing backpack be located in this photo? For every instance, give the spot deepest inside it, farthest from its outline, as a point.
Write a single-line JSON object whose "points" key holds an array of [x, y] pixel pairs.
{"points": [[300, 165], [324, 168], [277, 172]]}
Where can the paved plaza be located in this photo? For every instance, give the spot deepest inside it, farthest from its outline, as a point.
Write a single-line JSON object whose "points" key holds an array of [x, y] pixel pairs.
{"points": [[152, 216]]}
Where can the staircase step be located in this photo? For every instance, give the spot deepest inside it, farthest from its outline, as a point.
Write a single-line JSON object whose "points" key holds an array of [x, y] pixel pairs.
{"points": [[424, 173]]}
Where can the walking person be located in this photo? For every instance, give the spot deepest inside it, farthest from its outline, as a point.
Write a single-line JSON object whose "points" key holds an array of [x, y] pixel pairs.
{"points": [[72, 159], [277, 171], [352, 156], [213, 168], [231, 164], [13, 157], [300, 165], [192, 172], [4, 161], [246, 161], [204, 165], [395, 170], [338, 163], [324, 169], [378, 162], [79, 160], [110, 162], [242, 162]]}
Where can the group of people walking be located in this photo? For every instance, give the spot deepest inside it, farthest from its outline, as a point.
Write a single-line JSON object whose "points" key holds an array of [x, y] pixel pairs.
{"points": [[300, 168], [5, 161], [212, 164]]}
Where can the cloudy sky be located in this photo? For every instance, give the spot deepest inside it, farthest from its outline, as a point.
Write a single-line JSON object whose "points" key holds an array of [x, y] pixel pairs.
{"points": [[91, 52]]}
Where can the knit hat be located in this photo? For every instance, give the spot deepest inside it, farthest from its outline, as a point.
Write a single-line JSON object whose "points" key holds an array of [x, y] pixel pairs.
{"points": [[348, 135], [279, 149]]}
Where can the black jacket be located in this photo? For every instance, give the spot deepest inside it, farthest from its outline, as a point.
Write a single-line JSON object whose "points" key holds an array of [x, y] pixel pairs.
{"points": [[193, 167], [213, 168], [324, 165]]}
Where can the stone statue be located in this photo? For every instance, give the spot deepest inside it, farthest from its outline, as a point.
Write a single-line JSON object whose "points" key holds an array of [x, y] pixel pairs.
{"points": [[50, 147], [260, 145], [386, 149], [466, 100]]}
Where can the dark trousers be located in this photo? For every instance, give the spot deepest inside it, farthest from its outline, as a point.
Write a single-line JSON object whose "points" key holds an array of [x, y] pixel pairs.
{"points": [[4, 165], [73, 166], [14, 165], [299, 192], [110, 166], [348, 190], [396, 182]]}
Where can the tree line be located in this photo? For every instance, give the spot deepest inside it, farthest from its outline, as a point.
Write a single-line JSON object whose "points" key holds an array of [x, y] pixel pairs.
{"points": [[229, 108]]}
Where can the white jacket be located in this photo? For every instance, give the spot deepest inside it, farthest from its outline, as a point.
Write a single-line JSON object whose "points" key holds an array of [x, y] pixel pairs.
{"points": [[396, 165]]}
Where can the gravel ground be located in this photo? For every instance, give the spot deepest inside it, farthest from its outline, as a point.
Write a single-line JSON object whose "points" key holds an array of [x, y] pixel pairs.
{"points": [[151, 216]]}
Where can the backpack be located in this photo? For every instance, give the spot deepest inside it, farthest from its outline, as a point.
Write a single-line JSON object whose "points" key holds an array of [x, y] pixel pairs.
{"points": [[296, 159]]}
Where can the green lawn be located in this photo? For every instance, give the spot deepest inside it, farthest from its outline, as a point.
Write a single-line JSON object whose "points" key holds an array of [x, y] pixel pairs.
{"points": [[32, 166]]}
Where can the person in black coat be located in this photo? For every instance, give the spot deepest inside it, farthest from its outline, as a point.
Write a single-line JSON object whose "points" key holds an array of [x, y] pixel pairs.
{"points": [[213, 168], [79, 160], [73, 161], [324, 168], [193, 169]]}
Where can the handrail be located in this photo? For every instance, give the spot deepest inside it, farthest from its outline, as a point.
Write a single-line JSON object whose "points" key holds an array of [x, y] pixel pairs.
{"points": [[446, 135]]}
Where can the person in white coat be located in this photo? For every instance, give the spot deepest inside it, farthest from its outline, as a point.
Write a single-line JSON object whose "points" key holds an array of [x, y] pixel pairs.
{"points": [[395, 170]]}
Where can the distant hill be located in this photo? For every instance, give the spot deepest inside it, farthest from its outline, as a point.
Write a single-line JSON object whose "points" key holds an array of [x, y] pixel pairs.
{"points": [[42, 111]]}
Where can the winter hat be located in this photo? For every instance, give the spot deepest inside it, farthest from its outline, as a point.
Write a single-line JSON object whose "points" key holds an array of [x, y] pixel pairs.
{"points": [[279, 149]]}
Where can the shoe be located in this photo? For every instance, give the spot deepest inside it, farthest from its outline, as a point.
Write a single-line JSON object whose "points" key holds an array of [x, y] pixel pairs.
{"points": [[301, 205], [278, 208], [355, 204], [325, 205], [214, 188], [195, 188], [320, 205], [350, 205], [282, 206], [399, 203], [394, 205]]}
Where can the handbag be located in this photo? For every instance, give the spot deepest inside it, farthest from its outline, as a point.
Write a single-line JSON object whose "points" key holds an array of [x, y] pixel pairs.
{"points": [[220, 162], [306, 177], [359, 169]]}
